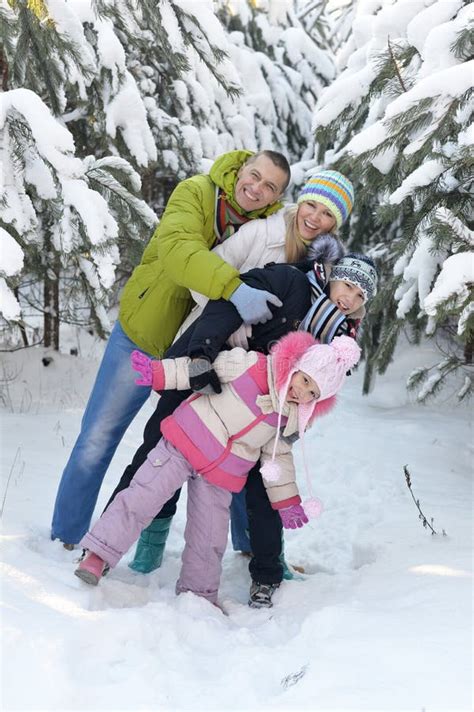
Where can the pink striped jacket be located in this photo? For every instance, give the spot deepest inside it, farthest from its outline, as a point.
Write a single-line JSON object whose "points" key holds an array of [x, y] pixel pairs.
{"points": [[224, 435]]}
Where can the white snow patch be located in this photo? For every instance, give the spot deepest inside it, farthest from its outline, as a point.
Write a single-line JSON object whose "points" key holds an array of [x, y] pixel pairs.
{"points": [[382, 598]]}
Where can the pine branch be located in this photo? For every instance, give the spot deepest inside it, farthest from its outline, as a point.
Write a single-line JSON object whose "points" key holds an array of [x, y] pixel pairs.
{"points": [[3, 70], [316, 4], [195, 35], [21, 348], [421, 516], [463, 46], [103, 181]]}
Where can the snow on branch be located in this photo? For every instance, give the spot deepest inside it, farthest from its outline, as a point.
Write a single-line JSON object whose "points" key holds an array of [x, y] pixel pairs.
{"points": [[12, 254], [453, 285], [421, 176], [11, 263], [58, 207], [418, 276], [127, 112], [451, 82], [53, 141], [460, 230]]}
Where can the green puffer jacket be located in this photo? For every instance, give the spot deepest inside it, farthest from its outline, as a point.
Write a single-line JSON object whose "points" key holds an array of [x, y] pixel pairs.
{"points": [[156, 298]]}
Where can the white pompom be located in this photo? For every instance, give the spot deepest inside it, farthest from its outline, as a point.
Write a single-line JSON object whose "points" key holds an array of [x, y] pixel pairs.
{"points": [[270, 471], [313, 507]]}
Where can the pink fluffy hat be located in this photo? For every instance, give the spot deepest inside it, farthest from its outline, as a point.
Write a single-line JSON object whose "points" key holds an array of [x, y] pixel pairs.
{"points": [[327, 364]]}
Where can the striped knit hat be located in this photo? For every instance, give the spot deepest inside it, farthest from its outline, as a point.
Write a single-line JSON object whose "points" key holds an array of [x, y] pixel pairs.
{"points": [[333, 190]]}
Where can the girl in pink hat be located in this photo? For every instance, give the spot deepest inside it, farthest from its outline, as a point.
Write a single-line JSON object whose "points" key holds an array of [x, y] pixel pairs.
{"points": [[211, 442]]}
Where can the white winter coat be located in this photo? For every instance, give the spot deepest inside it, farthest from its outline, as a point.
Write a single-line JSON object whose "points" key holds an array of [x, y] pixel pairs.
{"points": [[255, 244]]}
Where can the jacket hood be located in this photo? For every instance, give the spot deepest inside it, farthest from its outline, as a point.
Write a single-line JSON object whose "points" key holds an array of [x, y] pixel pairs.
{"points": [[224, 174]]}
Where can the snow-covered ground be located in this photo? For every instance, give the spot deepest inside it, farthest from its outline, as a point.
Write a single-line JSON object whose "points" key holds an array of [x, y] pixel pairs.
{"points": [[382, 620]]}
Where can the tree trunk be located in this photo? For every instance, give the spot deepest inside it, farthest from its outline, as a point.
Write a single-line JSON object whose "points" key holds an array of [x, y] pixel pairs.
{"points": [[51, 303], [56, 306], [21, 325], [4, 71], [368, 377], [47, 303], [371, 345], [468, 351]]}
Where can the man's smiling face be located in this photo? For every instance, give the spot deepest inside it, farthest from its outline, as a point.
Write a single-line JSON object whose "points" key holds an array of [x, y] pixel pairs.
{"points": [[259, 183]]}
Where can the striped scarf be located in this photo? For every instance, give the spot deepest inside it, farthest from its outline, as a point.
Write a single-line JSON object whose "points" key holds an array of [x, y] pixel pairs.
{"points": [[227, 220], [324, 320]]}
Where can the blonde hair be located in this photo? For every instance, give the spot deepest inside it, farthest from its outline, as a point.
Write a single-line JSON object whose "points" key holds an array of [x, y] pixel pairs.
{"points": [[295, 246]]}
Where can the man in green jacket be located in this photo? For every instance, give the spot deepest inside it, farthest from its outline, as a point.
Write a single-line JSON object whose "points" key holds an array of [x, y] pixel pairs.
{"points": [[202, 211]]}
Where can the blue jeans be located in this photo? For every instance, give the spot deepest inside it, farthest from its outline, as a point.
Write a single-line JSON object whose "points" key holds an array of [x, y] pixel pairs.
{"points": [[239, 523], [113, 403]]}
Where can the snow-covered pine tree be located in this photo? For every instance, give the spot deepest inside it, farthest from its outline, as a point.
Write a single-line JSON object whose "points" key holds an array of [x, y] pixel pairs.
{"points": [[398, 120], [281, 68], [327, 23], [45, 187], [56, 227], [176, 52]]}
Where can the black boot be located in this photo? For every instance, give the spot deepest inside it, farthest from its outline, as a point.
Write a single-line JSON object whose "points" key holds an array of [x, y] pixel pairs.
{"points": [[261, 594]]}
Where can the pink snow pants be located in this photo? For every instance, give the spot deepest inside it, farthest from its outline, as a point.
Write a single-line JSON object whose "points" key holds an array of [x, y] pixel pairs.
{"points": [[165, 471]]}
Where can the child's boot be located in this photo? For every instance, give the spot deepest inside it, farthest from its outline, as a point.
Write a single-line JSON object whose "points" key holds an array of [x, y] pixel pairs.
{"points": [[90, 569], [290, 572], [261, 594], [150, 546]]}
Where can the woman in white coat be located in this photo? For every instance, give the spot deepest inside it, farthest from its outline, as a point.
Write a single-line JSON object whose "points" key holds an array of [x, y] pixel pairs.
{"points": [[290, 235]]}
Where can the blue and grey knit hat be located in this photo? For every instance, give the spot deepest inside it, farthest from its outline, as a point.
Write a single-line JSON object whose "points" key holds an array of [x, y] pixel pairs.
{"points": [[333, 190], [357, 269]]}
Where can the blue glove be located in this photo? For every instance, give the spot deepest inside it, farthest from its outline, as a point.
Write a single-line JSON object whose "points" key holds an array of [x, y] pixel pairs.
{"points": [[252, 304]]}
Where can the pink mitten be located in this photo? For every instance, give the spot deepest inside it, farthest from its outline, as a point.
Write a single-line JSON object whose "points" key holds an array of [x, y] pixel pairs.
{"points": [[142, 364], [293, 517]]}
